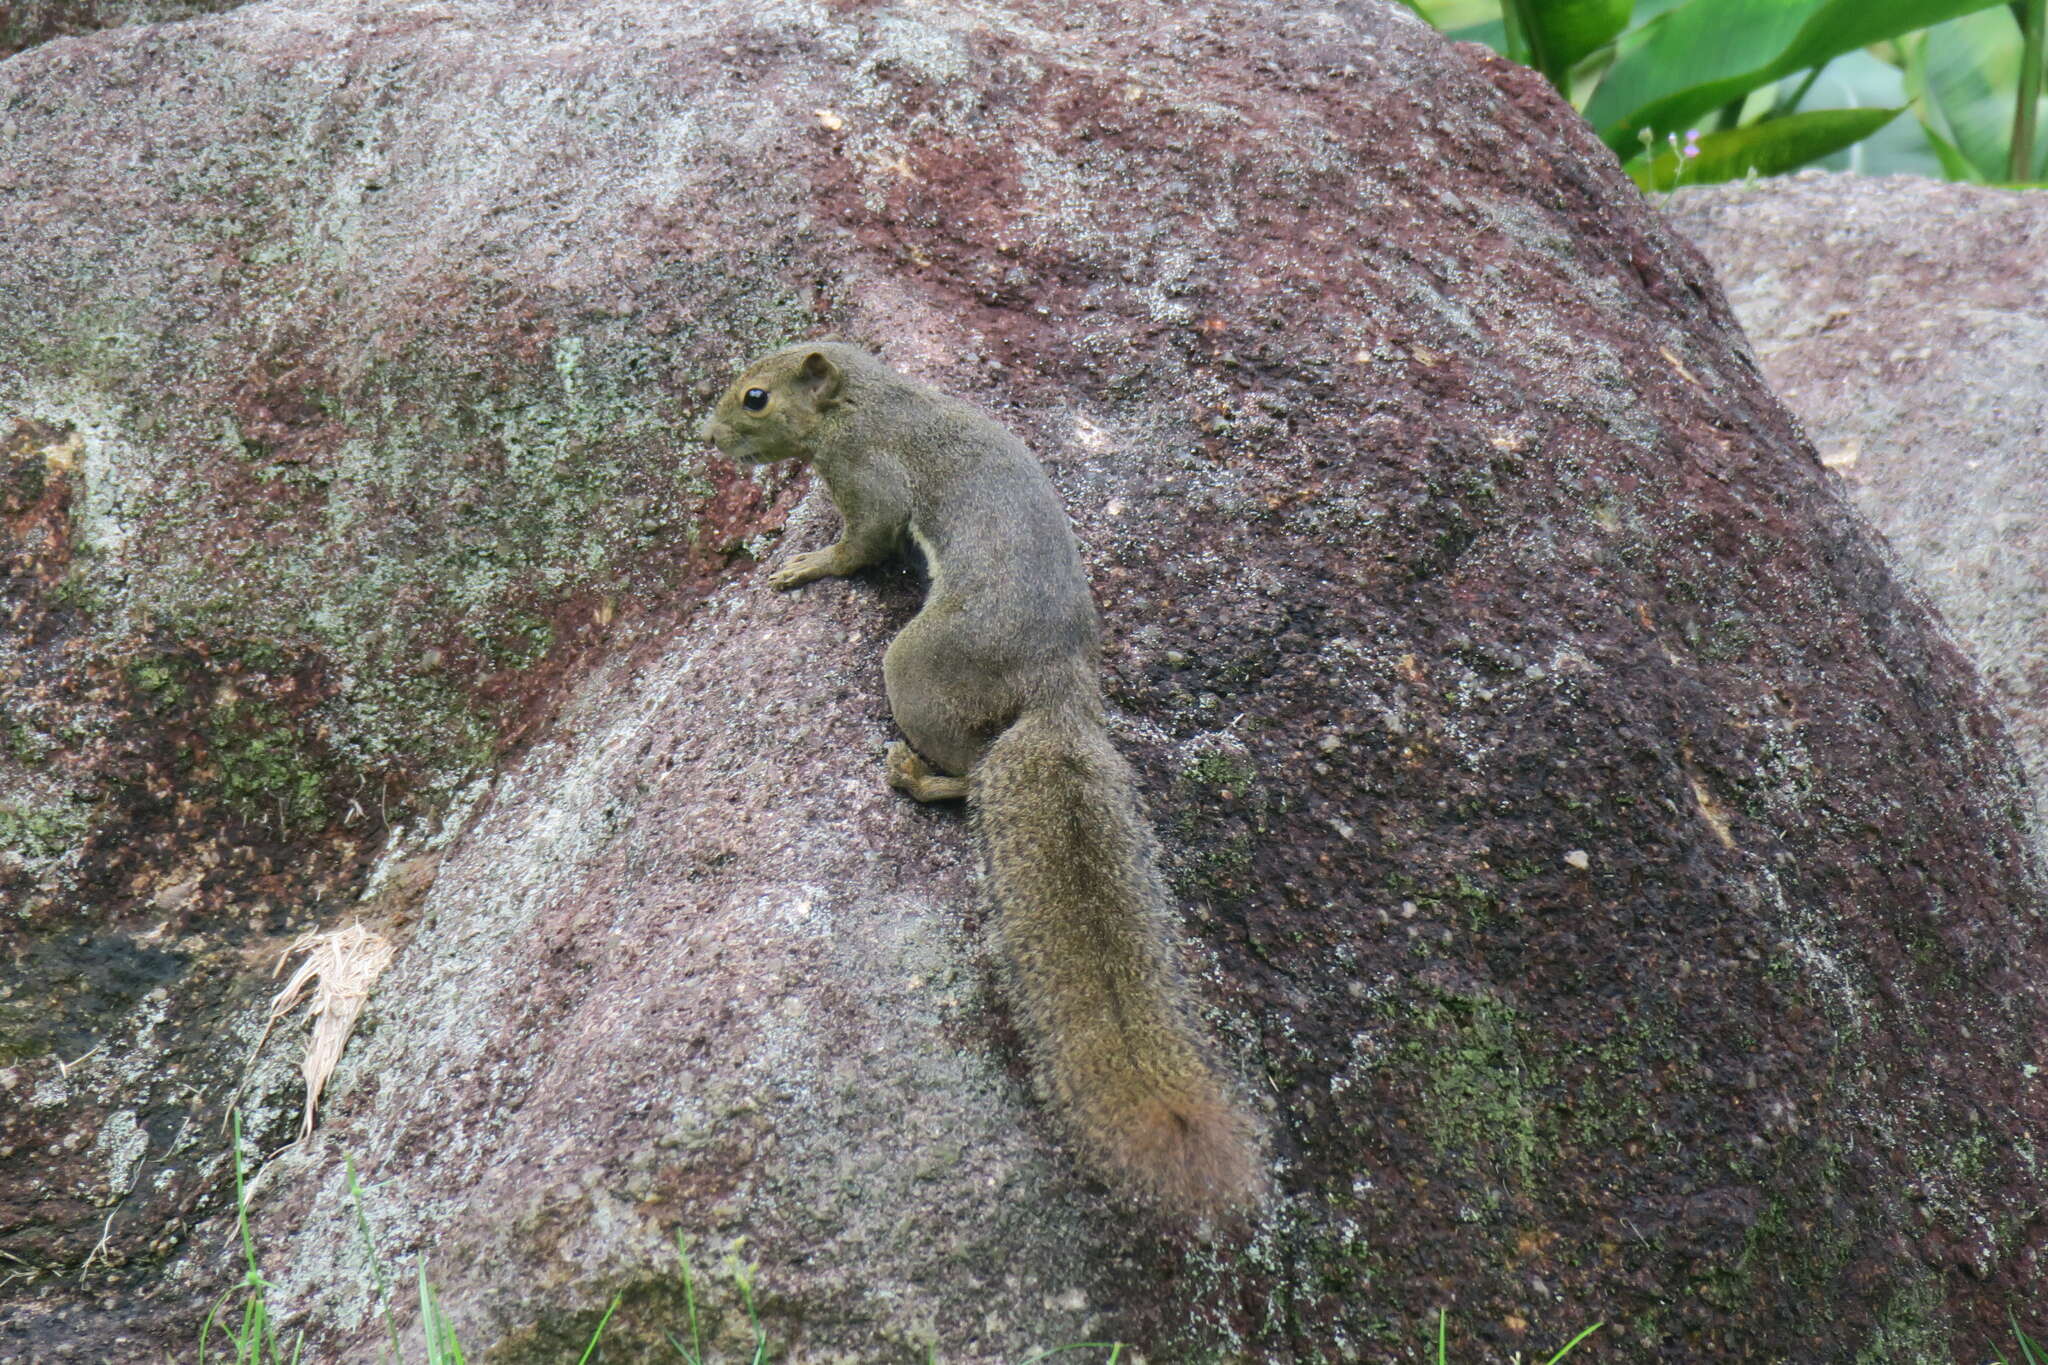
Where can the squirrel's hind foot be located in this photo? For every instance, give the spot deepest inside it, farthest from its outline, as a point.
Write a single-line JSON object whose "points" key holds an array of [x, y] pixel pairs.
{"points": [[909, 774]]}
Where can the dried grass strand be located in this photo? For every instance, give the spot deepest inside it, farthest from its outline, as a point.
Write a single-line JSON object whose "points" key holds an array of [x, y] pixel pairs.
{"points": [[341, 969]]}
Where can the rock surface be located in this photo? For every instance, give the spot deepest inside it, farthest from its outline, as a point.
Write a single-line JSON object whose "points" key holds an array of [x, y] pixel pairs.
{"points": [[1906, 323], [25, 23], [1605, 873]]}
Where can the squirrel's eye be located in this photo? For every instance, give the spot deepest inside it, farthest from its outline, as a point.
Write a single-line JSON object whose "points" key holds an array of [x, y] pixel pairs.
{"points": [[755, 400]]}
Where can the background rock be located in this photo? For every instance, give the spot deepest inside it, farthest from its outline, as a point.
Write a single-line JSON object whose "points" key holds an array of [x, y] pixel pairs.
{"points": [[1906, 322], [1606, 875], [24, 23]]}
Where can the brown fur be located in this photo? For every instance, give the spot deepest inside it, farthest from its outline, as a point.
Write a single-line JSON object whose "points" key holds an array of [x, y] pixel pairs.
{"points": [[995, 684]]}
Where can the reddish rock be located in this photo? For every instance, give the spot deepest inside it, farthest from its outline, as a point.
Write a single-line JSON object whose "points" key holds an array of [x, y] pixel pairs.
{"points": [[1606, 874], [1906, 323]]}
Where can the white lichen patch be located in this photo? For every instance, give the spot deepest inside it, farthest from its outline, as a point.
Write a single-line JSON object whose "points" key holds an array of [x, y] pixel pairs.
{"points": [[121, 1145], [805, 911], [120, 478], [1810, 936], [1369, 1048]]}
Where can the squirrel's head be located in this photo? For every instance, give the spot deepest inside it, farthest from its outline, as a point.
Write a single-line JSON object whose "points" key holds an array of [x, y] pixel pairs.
{"points": [[774, 409]]}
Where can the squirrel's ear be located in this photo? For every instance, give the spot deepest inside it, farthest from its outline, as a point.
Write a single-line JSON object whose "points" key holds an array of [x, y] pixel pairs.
{"points": [[821, 377]]}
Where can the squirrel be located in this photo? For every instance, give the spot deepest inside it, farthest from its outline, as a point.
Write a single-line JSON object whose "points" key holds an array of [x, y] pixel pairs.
{"points": [[995, 683]]}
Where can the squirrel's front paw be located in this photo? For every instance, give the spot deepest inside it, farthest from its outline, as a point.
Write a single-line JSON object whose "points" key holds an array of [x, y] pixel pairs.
{"points": [[801, 569]]}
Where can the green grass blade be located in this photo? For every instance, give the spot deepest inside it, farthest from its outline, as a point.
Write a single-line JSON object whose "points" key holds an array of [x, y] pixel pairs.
{"points": [[1115, 1349], [355, 1194], [695, 1354], [1770, 148], [251, 1320], [427, 1313], [2032, 1351], [743, 1276], [241, 1200], [206, 1327], [442, 1347], [255, 1341], [255, 1322], [584, 1359], [1442, 1331], [1954, 164], [1514, 38], [1567, 1350]]}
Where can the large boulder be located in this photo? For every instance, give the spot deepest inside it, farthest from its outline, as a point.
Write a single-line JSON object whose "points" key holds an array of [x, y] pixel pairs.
{"points": [[1906, 323], [25, 23], [1606, 876]]}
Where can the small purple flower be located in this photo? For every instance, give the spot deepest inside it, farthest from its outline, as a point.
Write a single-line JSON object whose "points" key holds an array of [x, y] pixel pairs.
{"points": [[1692, 144]]}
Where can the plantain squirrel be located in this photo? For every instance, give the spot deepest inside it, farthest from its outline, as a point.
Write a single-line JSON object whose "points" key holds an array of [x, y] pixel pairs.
{"points": [[995, 684]]}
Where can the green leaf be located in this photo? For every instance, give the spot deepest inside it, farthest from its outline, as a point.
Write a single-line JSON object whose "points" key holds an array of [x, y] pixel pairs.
{"points": [[1493, 33], [1967, 73], [2026, 114], [1446, 15], [1858, 80], [1563, 33], [1770, 148], [1845, 25], [1954, 164], [1703, 54]]}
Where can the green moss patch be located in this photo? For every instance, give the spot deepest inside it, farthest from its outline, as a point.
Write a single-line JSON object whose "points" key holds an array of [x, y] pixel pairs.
{"points": [[1480, 1090], [41, 831]]}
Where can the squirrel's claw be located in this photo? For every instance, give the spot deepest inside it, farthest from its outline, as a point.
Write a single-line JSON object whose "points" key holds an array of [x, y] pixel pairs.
{"points": [[800, 570]]}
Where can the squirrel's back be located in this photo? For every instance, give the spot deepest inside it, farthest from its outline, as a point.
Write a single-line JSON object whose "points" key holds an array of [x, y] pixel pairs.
{"points": [[982, 510]]}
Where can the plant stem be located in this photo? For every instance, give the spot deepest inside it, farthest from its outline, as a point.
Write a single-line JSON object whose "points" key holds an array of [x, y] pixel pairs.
{"points": [[2019, 164], [1521, 22], [1514, 37], [1789, 106], [355, 1194], [242, 1202]]}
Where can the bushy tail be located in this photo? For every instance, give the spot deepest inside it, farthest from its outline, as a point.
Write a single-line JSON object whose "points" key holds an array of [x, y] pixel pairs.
{"points": [[1087, 940]]}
